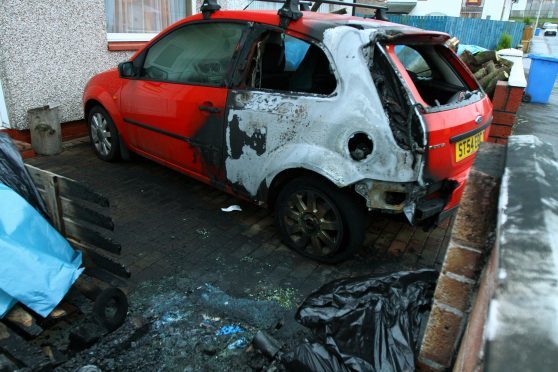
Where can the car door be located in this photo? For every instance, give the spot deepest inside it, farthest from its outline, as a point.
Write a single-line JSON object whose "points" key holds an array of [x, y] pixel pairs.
{"points": [[174, 108]]}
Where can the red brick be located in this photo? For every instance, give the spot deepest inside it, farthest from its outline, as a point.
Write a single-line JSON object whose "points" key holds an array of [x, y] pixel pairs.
{"points": [[463, 262], [502, 131], [504, 118], [477, 210], [501, 96], [422, 366], [453, 293], [514, 99], [440, 337], [472, 343]]}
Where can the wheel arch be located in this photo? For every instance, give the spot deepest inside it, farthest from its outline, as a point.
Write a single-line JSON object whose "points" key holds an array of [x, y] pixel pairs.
{"points": [[92, 102], [269, 194]]}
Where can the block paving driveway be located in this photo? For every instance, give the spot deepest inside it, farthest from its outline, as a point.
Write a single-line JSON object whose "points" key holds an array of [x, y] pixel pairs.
{"points": [[195, 268]]}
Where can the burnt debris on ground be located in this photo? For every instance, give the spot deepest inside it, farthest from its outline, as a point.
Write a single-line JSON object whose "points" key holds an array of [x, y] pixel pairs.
{"points": [[180, 323]]}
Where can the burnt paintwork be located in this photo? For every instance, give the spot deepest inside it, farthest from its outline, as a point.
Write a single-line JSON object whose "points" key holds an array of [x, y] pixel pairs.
{"points": [[239, 139]]}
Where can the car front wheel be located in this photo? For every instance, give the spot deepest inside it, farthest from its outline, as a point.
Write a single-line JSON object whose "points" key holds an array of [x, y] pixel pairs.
{"points": [[319, 220], [103, 134]]}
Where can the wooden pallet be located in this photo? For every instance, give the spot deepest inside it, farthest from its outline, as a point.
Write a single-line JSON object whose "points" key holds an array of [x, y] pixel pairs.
{"points": [[81, 215]]}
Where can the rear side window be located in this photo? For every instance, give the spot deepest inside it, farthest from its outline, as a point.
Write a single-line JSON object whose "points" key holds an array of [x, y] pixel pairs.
{"points": [[285, 63], [436, 80], [413, 61], [197, 54]]}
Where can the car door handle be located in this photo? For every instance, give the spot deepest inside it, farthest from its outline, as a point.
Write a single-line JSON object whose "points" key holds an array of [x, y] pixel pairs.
{"points": [[211, 109]]}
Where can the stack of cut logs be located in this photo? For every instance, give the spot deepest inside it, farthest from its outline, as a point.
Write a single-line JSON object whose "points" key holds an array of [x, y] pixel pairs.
{"points": [[488, 68]]}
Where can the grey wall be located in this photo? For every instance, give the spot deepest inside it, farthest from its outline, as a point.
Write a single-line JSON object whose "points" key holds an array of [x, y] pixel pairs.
{"points": [[48, 52]]}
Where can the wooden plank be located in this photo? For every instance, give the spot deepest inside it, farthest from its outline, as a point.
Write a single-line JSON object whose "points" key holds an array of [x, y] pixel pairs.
{"points": [[68, 188], [20, 350], [73, 190], [22, 320], [88, 236], [103, 262], [39, 176], [75, 211]]}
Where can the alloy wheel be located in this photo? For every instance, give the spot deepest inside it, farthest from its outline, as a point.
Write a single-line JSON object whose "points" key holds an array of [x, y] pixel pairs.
{"points": [[100, 134], [313, 223]]}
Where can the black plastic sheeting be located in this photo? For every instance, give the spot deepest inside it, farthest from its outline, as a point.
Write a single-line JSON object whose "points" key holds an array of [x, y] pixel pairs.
{"points": [[14, 175], [364, 324]]}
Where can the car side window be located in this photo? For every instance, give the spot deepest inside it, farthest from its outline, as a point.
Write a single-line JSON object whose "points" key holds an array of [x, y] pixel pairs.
{"points": [[197, 54], [413, 61], [285, 63]]}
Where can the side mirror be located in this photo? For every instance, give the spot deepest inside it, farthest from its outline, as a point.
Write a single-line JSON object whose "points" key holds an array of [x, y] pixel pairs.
{"points": [[126, 69]]}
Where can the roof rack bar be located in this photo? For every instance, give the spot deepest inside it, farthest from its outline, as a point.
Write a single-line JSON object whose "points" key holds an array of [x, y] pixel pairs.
{"points": [[333, 2], [289, 12], [209, 7]]}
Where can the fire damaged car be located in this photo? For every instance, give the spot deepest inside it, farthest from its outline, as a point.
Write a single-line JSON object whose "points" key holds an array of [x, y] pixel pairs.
{"points": [[322, 117]]}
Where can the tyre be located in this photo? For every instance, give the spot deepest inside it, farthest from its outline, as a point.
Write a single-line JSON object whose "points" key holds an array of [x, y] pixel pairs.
{"points": [[319, 220], [526, 98], [103, 134], [110, 308]]}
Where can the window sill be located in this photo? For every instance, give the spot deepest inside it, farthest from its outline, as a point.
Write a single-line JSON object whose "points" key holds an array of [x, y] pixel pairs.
{"points": [[114, 46]]}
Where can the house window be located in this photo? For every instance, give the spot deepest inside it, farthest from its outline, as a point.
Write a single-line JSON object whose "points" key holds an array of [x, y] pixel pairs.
{"points": [[141, 20]]}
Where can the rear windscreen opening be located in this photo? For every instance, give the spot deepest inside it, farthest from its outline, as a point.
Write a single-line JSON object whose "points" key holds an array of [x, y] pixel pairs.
{"points": [[434, 77]]}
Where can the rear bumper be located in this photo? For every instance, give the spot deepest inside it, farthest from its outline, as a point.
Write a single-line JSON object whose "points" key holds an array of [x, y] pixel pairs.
{"points": [[422, 205]]}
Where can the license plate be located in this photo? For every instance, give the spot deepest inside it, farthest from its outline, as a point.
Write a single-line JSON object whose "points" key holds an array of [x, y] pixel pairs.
{"points": [[468, 146]]}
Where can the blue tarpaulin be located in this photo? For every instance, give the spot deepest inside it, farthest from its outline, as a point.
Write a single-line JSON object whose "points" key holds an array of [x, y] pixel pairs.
{"points": [[473, 49], [37, 265]]}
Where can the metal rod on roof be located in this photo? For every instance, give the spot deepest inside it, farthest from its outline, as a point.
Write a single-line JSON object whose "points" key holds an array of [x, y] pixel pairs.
{"points": [[332, 2]]}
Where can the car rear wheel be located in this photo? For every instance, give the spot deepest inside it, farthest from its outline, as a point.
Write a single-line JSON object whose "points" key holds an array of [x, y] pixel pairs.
{"points": [[103, 134], [319, 220]]}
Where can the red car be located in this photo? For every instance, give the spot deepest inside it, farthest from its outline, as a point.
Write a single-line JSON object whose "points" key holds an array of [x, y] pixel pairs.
{"points": [[321, 116]]}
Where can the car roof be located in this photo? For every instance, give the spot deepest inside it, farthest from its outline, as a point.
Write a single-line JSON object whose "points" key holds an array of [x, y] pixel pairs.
{"points": [[312, 24]]}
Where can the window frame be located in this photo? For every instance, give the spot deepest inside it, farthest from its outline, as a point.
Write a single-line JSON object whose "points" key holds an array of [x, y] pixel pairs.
{"points": [[136, 38], [139, 60]]}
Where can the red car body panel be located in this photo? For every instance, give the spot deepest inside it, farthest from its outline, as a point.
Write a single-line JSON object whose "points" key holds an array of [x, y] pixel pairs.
{"points": [[442, 126]]}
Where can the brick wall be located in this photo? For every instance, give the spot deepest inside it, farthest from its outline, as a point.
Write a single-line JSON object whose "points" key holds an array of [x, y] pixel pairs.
{"points": [[506, 102], [470, 245]]}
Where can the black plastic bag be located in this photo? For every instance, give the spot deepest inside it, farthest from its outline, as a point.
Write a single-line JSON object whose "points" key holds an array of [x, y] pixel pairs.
{"points": [[14, 175], [364, 324]]}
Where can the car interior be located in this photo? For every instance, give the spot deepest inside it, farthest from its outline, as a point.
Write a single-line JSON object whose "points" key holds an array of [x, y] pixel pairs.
{"points": [[435, 79], [282, 62]]}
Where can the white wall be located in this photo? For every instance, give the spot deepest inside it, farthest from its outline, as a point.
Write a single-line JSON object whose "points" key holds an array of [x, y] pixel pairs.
{"points": [[437, 7], [497, 10], [4, 120], [49, 51]]}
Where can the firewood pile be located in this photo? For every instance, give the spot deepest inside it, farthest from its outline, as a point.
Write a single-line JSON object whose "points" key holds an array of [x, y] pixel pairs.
{"points": [[488, 68]]}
